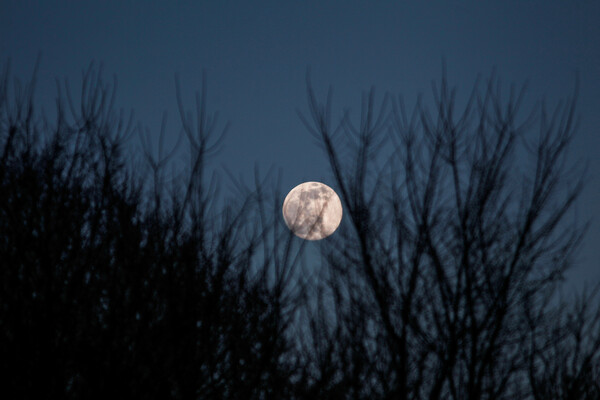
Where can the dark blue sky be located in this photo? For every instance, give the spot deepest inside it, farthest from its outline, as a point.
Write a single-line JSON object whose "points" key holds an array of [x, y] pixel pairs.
{"points": [[256, 53]]}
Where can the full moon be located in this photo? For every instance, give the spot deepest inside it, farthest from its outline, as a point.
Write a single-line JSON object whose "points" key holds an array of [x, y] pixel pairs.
{"points": [[312, 210]]}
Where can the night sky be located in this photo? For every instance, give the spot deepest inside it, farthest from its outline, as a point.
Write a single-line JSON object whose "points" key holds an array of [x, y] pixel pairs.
{"points": [[256, 54]]}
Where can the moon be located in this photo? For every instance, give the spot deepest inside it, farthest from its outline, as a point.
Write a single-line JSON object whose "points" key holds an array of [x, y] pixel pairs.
{"points": [[312, 210]]}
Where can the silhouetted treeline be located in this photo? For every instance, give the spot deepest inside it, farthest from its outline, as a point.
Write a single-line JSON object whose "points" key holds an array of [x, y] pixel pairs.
{"points": [[110, 291], [120, 279]]}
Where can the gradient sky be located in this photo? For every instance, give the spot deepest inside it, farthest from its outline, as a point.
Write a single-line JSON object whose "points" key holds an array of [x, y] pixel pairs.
{"points": [[255, 54]]}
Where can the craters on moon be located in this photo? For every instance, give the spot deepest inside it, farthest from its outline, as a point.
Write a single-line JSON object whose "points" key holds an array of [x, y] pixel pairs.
{"points": [[312, 210]]}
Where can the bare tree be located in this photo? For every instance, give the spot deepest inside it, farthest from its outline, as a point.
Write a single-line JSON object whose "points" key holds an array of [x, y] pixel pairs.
{"points": [[115, 285], [457, 234], [441, 282], [563, 353]]}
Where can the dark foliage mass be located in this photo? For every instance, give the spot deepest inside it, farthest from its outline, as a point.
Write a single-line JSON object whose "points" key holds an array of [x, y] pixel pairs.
{"points": [[119, 280]]}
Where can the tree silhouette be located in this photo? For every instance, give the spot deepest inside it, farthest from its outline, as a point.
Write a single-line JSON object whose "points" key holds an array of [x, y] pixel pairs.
{"points": [[113, 287], [563, 362], [441, 282], [457, 235]]}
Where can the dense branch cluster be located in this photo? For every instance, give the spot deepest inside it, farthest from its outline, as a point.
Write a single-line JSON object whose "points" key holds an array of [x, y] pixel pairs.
{"points": [[441, 282]]}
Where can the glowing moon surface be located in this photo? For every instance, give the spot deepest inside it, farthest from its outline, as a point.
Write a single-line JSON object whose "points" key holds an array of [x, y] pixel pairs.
{"points": [[312, 210]]}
